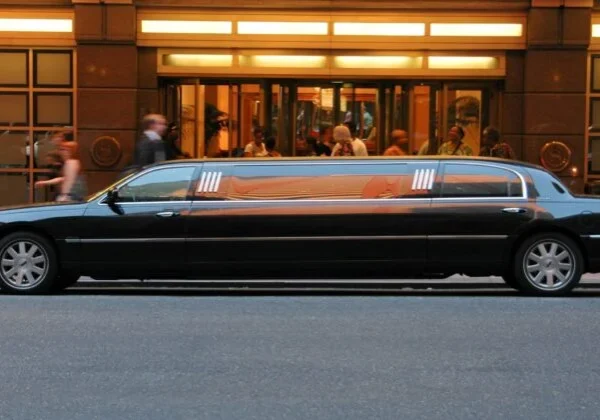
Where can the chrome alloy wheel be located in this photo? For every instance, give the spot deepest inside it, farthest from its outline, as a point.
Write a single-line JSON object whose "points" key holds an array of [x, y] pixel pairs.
{"points": [[549, 265], [24, 264]]}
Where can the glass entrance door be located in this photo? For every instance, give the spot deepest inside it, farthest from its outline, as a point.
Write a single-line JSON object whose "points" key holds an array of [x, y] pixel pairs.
{"points": [[217, 118], [467, 106]]}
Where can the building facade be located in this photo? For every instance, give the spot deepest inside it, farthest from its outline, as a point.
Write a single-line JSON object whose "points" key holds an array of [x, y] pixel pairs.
{"points": [[529, 67]]}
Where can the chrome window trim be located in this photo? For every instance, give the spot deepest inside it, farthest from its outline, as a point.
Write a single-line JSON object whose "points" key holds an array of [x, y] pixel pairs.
{"points": [[340, 162], [147, 203], [100, 200], [523, 196], [310, 200]]}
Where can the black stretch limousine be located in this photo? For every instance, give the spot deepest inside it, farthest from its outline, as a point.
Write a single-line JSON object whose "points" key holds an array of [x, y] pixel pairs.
{"points": [[311, 218]]}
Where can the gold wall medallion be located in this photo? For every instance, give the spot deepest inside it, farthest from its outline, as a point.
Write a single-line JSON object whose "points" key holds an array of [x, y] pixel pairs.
{"points": [[106, 151], [555, 156]]}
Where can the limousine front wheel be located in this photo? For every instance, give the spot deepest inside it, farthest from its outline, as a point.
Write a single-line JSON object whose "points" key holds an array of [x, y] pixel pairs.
{"points": [[28, 263], [548, 264]]}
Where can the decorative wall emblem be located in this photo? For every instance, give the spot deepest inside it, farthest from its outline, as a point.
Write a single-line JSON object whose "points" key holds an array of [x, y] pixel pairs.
{"points": [[106, 151], [555, 156]]}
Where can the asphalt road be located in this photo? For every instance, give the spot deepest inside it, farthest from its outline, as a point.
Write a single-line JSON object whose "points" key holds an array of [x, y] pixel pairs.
{"points": [[90, 355]]}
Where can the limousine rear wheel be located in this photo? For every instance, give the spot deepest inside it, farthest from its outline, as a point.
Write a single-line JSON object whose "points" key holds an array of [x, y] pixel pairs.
{"points": [[548, 264], [28, 263]]}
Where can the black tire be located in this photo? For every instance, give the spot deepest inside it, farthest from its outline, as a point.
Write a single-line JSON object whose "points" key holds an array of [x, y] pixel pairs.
{"points": [[65, 280], [548, 274], [44, 273]]}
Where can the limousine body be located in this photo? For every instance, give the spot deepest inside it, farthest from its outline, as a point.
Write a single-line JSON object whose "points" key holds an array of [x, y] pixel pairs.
{"points": [[311, 218]]}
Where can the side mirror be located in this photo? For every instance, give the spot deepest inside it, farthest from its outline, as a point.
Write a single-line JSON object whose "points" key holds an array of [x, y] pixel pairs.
{"points": [[112, 196]]}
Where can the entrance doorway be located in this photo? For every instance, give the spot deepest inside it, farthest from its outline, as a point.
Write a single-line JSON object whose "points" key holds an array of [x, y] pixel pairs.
{"points": [[217, 117]]}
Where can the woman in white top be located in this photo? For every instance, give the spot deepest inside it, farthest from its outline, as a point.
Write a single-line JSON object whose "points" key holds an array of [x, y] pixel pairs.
{"points": [[256, 148]]}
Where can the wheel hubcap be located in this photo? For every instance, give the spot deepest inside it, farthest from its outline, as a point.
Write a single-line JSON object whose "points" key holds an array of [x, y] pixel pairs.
{"points": [[24, 264], [549, 265]]}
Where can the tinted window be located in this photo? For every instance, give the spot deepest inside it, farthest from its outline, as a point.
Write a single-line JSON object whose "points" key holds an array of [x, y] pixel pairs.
{"points": [[170, 184], [323, 182], [480, 181], [548, 185]]}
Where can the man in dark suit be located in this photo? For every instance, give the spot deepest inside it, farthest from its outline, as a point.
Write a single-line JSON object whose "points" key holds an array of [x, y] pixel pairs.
{"points": [[151, 147]]}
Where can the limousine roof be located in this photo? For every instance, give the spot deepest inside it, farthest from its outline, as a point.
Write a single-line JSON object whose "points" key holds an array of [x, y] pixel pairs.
{"points": [[357, 158]]}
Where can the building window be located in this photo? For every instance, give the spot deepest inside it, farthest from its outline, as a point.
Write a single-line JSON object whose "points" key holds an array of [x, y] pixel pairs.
{"points": [[14, 68], [36, 100], [53, 69], [53, 109]]}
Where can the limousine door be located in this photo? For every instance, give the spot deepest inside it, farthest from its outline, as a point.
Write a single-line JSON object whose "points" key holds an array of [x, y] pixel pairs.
{"points": [[477, 207], [143, 234], [316, 217]]}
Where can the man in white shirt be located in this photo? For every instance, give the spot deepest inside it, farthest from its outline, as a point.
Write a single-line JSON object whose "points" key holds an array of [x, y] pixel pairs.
{"points": [[256, 148], [358, 146]]}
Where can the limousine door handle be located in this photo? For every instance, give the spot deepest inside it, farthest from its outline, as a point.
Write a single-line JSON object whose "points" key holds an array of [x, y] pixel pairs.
{"points": [[517, 210], [167, 214]]}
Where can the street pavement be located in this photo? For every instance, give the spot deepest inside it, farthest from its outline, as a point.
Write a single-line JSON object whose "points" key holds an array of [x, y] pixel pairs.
{"points": [[111, 355]]}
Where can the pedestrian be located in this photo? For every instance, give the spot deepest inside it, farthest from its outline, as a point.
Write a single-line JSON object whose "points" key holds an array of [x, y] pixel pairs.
{"points": [[454, 146], [399, 138], [151, 148], [270, 146], [358, 146], [343, 138], [172, 144], [256, 148], [494, 147], [71, 182]]}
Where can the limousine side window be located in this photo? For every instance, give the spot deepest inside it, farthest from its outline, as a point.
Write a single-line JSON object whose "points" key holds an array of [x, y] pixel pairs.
{"points": [[462, 180], [169, 184], [327, 181]]}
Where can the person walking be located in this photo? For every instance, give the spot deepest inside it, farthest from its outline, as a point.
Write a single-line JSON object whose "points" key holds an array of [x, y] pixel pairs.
{"points": [[172, 144], [71, 182], [151, 148]]}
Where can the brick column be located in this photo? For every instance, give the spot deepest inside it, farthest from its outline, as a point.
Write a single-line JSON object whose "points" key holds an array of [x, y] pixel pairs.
{"points": [[545, 92], [107, 109]]}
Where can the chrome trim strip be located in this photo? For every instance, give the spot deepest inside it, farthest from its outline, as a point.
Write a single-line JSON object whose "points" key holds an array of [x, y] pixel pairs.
{"points": [[414, 183], [287, 202], [467, 237], [148, 203], [308, 238], [217, 182], [507, 199], [592, 236], [130, 240], [345, 161], [431, 180], [282, 238], [419, 175], [201, 184], [210, 181]]}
